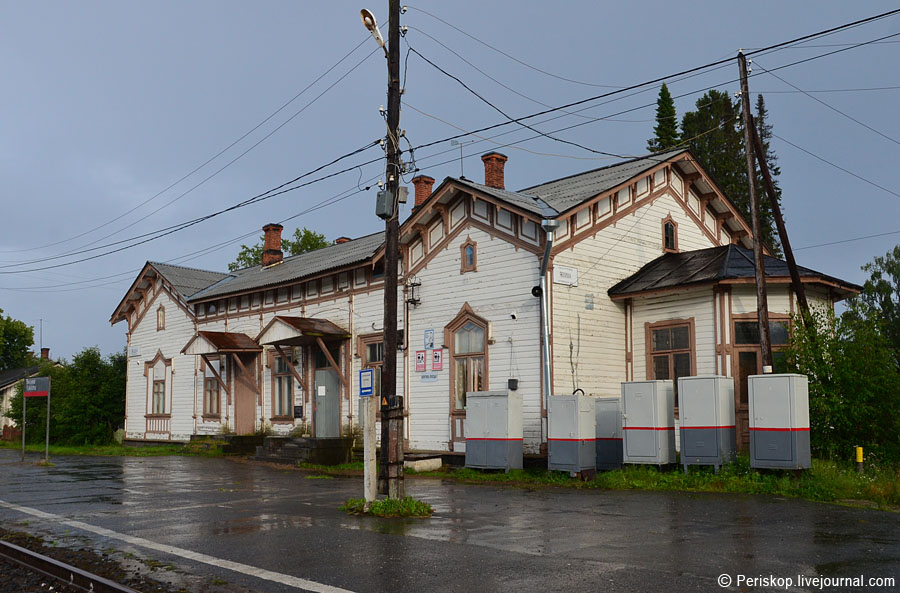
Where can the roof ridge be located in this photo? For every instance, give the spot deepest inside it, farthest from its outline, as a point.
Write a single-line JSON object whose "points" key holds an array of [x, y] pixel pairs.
{"points": [[160, 263], [610, 166]]}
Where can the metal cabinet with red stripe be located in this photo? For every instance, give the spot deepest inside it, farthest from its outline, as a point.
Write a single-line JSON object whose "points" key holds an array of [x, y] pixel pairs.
{"points": [[572, 434], [779, 421], [648, 422], [609, 432], [494, 429], [706, 412]]}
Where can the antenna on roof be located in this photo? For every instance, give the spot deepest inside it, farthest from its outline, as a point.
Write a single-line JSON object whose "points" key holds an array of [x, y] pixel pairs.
{"points": [[460, 144]]}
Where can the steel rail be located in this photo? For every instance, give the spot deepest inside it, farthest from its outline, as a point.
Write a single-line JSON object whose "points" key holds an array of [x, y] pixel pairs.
{"points": [[75, 577]]}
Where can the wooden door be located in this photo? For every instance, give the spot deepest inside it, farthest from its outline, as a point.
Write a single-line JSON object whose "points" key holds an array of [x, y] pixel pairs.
{"points": [[245, 395], [747, 361]]}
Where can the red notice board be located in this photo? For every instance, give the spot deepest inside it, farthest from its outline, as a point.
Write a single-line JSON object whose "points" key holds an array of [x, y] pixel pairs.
{"points": [[37, 387]]}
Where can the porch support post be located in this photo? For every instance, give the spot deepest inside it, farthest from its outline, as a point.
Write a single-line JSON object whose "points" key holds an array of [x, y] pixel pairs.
{"points": [[333, 364]]}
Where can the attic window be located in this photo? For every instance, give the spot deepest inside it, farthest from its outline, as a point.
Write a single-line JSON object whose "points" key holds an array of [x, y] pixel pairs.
{"points": [[670, 235], [378, 271], [469, 256]]}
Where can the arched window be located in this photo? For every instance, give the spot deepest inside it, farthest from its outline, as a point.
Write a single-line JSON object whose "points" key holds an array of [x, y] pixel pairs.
{"points": [[670, 235], [160, 318], [469, 256]]}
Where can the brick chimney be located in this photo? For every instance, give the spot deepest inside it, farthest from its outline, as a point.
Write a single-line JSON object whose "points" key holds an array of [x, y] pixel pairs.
{"points": [[423, 184], [45, 354], [272, 253], [340, 240], [494, 162]]}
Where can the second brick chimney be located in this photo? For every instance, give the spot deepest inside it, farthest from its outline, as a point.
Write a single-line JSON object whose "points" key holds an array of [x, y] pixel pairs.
{"points": [[423, 184], [340, 240], [494, 163], [272, 253], [45, 354]]}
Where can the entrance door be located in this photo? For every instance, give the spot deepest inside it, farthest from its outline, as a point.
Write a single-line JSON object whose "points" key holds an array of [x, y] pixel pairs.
{"points": [[749, 362], [245, 394], [328, 404]]}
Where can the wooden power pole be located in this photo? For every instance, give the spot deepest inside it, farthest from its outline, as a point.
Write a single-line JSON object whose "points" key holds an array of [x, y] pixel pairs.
{"points": [[762, 305], [779, 222], [391, 466]]}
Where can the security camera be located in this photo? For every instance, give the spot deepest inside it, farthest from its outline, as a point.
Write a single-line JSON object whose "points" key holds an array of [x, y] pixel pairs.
{"points": [[513, 316]]}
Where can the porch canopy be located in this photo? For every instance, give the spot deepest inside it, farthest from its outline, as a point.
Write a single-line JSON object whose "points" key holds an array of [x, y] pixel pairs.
{"points": [[207, 344], [288, 332]]}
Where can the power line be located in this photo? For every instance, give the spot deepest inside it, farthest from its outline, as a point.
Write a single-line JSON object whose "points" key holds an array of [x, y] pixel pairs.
{"points": [[842, 241], [147, 237], [836, 166], [212, 158], [833, 108]]}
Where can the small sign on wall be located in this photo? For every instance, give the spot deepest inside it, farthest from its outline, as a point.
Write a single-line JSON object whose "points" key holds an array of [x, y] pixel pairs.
{"points": [[298, 411], [437, 360], [565, 275], [429, 377], [420, 361], [429, 339]]}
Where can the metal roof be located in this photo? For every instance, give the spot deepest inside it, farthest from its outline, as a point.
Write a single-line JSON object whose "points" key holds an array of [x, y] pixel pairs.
{"points": [[526, 202], [294, 267], [230, 341], [12, 375], [185, 280], [568, 192], [675, 270]]}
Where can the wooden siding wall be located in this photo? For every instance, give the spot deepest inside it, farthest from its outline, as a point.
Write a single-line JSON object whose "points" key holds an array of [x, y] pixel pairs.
{"points": [[170, 341], [502, 284], [596, 337]]}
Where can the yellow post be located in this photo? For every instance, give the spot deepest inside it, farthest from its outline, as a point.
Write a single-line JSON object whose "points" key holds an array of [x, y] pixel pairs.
{"points": [[859, 460]]}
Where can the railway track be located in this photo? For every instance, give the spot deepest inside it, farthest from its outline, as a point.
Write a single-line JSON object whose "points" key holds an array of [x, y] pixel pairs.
{"points": [[72, 577]]}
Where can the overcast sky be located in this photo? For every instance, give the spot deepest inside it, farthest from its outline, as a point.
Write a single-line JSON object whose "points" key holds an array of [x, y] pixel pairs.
{"points": [[107, 104]]}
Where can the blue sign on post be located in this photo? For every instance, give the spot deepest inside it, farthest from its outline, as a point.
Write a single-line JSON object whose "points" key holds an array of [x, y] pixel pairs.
{"points": [[366, 382]]}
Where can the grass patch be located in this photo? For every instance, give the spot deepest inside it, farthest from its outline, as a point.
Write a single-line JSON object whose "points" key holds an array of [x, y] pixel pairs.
{"points": [[353, 466], [116, 450], [826, 481], [320, 477], [389, 507]]}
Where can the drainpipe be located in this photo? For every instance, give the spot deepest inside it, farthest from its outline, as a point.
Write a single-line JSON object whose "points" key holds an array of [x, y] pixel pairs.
{"points": [[543, 293]]}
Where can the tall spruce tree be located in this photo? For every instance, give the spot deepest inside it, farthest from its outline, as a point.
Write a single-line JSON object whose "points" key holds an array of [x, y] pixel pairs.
{"points": [[666, 129], [715, 134]]}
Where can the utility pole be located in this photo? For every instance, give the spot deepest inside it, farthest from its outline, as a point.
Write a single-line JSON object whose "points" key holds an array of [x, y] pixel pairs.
{"points": [[390, 474], [779, 222], [762, 305]]}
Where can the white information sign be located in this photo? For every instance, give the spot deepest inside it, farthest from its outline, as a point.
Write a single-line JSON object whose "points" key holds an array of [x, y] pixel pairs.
{"points": [[565, 275], [429, 377]]}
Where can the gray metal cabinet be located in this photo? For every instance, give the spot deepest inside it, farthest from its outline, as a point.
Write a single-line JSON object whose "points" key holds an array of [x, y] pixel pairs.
{"points": [[648, 422], [572, 433], [494, 429], [609, 432], [779, 421], [706, 413]]}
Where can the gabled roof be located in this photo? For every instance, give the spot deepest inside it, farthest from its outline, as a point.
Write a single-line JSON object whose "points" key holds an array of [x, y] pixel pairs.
{"points": [[568, 192], [526, 202], [294, 267], [13, 375], [187, 281], [715, 264]]}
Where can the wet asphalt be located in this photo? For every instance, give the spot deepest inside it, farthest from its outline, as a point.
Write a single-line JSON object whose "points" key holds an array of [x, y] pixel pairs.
{"points": [[481, 538]]}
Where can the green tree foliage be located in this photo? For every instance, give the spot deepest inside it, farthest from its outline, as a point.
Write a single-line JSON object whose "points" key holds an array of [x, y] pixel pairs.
{"points": [[665, 133], [715, 134], [854, 385], [16, 338], [880, 298], [87, 400], [303, 241]]}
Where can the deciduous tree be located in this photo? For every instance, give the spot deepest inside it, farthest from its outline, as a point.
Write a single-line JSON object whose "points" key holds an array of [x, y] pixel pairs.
{"points": [[303, 241]]}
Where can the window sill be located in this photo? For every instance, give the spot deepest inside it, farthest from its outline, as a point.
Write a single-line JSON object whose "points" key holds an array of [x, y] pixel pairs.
{"points": [[158, 416], [211, 418], [281, 420]]}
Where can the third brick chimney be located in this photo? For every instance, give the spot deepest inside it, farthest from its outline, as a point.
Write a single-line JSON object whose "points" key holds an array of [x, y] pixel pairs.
{"points": [[494, 162], [272, 253], [423, 184], [45, 354]]}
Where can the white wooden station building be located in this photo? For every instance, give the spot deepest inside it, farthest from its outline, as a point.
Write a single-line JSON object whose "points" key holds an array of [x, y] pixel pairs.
{"points": [[651, 276]]}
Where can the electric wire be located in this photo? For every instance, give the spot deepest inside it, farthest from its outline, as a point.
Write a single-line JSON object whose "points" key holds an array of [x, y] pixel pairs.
{"points": [[829, 106], [209, 160]]}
